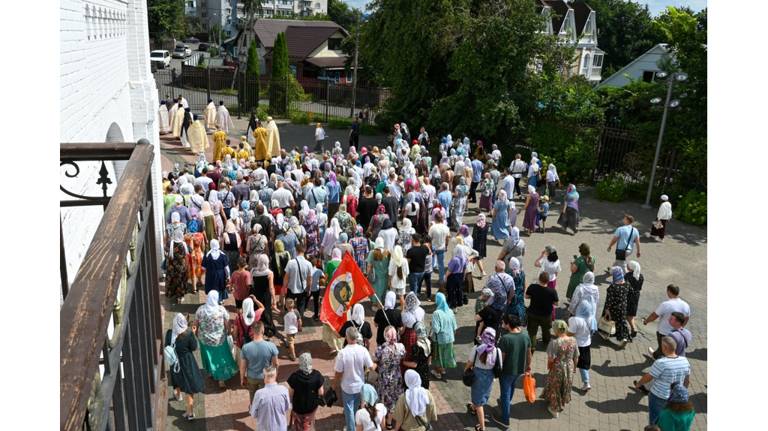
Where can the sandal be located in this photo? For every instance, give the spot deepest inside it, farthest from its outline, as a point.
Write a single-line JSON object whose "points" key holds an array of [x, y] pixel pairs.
{"points": [[470, 410]]}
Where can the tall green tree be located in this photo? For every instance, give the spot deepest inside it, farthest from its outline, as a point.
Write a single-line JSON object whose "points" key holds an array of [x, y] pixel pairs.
{"points": [[252, 74], [343, 15], [625, 30], [166, 18], [280, 74]]}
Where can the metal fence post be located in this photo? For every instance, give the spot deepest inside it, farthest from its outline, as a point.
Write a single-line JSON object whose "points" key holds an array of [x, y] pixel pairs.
{"points": [[208, 82], [327, 97], [173, 83]]}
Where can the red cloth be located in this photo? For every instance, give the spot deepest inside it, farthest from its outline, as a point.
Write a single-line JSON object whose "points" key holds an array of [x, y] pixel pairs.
{"points": [[347, 287], [241, 280]]}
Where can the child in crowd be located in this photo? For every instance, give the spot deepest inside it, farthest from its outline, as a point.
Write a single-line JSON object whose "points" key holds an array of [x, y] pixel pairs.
{"points": [[426, 241], [318, 279], [291, 326], [542, 213]]}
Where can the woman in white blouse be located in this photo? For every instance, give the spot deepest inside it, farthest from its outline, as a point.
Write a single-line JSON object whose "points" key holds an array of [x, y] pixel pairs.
{"points": [[659, 227]]}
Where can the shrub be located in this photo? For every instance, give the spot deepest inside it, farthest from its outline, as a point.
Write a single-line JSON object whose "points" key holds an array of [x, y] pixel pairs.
{"points": [[298, 117], [612, 188], [693, 208]]}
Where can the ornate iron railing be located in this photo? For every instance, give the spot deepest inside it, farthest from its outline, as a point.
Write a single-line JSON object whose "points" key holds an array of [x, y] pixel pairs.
{"points": [[111, 363]]}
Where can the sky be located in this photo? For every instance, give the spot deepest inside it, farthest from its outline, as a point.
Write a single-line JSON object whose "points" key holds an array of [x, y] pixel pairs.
{"points": [[655, 6]]}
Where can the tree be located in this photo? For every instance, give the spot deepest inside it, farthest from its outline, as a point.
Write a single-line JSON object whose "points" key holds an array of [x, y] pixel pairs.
{"points": [[625, 31], [166, 18], [280, 73], [340, 13], [252, 75]]}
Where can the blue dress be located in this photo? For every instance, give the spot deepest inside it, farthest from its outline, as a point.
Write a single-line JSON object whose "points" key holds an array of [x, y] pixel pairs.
{"points": [[216, 274], [517, 306], [500, 224]]}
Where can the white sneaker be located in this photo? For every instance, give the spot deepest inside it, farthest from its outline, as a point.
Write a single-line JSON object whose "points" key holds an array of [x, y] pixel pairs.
{"points": [[586, 387], [180, 397]]}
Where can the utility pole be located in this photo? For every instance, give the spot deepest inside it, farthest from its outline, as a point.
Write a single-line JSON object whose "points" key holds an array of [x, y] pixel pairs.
{"points": [[354, 72]]}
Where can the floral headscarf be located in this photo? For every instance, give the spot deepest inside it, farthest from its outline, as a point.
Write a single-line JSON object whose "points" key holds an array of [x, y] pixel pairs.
{"points": [[488, 345]]}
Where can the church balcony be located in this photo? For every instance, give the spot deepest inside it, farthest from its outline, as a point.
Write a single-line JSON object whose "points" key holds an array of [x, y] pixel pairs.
{"points": [[111, 371]]}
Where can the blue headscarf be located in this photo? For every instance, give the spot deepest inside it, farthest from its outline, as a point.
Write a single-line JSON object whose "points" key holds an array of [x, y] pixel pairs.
{"points": [[441, 303], [586, 311], [369, 395], [617, 273]]}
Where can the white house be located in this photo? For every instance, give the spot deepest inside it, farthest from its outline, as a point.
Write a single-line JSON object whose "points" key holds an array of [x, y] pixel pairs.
{"points": [[287, 8], [107, 94], [642, 68], [575, 24]]}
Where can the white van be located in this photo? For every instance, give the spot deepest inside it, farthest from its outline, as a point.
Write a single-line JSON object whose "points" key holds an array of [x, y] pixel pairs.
{"points": [[160, 58]]}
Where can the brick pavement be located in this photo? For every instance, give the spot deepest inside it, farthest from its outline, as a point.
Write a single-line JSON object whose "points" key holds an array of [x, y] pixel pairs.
{"points": [[610, 405]]}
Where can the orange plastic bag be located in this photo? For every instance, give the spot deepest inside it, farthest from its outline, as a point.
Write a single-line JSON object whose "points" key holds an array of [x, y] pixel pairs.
{"points": [[529, 388]]}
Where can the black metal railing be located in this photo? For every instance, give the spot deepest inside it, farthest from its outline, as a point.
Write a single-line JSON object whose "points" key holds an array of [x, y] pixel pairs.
{"points": [[112, 381]]}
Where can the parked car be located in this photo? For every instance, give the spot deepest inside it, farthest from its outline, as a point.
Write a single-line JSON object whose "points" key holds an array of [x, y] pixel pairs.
{"points": [[160, 58], [191, 39], [203, 47], [181, 51]]}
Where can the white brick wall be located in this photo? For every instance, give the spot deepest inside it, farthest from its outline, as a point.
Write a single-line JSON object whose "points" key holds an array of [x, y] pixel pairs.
{"points": [[104, 79]]}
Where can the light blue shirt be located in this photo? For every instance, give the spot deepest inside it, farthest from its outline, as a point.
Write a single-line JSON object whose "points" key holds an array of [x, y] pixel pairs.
{"points": [[626, 233], [477, 171], [445, 199], [666, 371]]}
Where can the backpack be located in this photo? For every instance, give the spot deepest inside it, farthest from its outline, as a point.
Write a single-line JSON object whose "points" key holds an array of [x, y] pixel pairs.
{"points": [[171, 359]]}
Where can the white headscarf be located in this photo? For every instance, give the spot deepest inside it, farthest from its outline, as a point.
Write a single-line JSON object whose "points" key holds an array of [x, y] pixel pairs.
{"points": [[212, 306], [179, 326], [389, 300], [397, 255], [635, 267], [415, 396], [531, 189], [379, 243], [358, 315], [248, 314], [214, 252], [331, 236]]}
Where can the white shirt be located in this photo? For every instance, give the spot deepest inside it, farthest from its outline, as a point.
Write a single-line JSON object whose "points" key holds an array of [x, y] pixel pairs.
{"points": [[508, 184], [291, 323], [389, 236], [517, 167], [551, 268], [319, 134], [439, 232], [283, 197], [579, 328], [204, 182], [352, 361], [666, 308], [363, 418], [665, 211], [398, 283], [496, 155]]}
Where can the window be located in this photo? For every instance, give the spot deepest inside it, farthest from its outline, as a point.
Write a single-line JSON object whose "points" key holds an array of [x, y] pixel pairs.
{"points": [[598, 61], [585, 69], [648, 75], [334, 44]]}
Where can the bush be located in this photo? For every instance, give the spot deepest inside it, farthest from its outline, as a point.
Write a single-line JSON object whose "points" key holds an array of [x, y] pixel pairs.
{"points": [[298, 117], [612, 188], [693, 208]]}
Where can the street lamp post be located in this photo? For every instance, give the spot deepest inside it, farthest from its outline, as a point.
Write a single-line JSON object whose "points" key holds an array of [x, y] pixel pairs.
{"points": [[668, 103]]}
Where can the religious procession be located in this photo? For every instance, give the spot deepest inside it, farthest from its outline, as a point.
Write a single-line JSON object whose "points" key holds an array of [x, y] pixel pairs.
{"points": [[359, 242]]}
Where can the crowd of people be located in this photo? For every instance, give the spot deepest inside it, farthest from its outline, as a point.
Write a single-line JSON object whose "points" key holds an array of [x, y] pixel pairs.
{"points": [[269, 226]]}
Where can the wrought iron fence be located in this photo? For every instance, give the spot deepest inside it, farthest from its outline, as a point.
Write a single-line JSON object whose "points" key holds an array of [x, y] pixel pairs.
{"points": [[111, 367]]}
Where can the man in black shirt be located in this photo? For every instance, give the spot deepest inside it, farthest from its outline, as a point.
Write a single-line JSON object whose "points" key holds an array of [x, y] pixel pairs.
{"points": [[540, 311], [390, 204], [417, 257]]}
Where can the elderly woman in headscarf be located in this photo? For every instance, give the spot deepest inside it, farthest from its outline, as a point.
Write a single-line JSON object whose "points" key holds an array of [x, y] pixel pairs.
{"points": [[587, 291], [209, 222], [389, 233], [500, 215], [411, 315], [218, 211], [377, 222], [569, 217], [255, 245], [333, 263], [562, 356], [263, 290], [444, 327], [405, 235], [350, 200], [322, 218], [346, 221], [663, 216], [579, 266], [415, 402], [357, 320], [245, 317], [305, 387], [185, 375], [581, 327], [516, 301], [304, 210], [635, 280], [331, 238], [616, 305], [312, 230], [370, 415], [552, 181], [454, 285], [377, 269], [531, 210], [387, 316], [231, 245], [334, 194], [213, 327], [398, 272], [459, 202], [417, 356], [389, 354], [216, 265], [482, 358], [176, 272]]}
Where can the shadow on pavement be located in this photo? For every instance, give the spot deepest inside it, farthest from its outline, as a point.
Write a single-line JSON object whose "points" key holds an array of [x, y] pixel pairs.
{"points": [[631, 370], [623, 405], [526, 411], [229, 420]]}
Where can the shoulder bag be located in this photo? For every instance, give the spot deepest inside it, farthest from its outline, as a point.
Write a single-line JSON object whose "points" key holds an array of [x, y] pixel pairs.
{"points": [[622, 254], [469, 374], [497, 366]]}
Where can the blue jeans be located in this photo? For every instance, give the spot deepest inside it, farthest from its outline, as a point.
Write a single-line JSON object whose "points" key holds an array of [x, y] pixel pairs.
{"points": [[655, 406], [584, 375], [351, 404], [414, 281], [440, 256], [507, 387]]}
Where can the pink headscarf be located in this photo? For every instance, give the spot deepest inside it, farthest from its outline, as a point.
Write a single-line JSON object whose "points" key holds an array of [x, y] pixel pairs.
{"points": [[481, 220]]}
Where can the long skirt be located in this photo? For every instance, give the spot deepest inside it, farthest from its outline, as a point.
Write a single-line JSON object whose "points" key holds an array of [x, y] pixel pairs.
{"points": [[443, 355], [529, 221], [304, 422], [485, 203], [481, 388], [176, 274], [453, 287], [571, 219], [660, 232], [218, 361], [557, 391]]}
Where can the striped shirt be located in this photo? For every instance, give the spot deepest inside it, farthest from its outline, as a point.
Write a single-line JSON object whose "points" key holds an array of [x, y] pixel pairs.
{"points": [[666, 371]]}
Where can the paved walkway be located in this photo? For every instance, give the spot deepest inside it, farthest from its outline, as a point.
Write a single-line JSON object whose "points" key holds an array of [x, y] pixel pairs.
{"points": [[610, 405]]}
